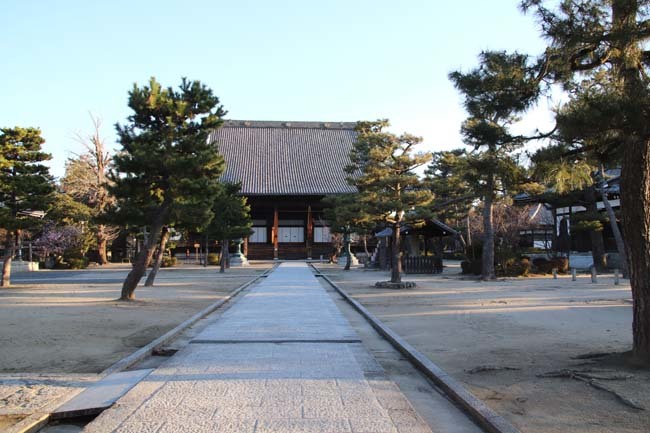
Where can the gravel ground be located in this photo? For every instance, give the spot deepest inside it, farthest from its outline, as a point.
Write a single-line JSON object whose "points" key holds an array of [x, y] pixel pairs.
{"points": [[58, 329], [497, 337]]}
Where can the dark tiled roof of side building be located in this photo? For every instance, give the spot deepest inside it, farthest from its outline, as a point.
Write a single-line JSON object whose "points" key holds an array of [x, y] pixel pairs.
{"points": [[286, 158]]}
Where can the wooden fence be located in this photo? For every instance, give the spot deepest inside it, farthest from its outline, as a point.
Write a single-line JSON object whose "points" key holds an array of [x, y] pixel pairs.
{"points": [[421, 265]]}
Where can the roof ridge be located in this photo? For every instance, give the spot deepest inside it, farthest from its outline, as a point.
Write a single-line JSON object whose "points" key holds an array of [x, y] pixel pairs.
{"points": [[233, 123]]}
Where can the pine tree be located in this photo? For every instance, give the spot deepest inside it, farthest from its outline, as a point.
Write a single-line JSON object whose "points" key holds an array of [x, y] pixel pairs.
{"points": [[449, 178], [231, 220], [382, 169], [605, 41], [581, 127], [166, 167], [501, 88], [346, 214], [572, 178], [25, 186]]}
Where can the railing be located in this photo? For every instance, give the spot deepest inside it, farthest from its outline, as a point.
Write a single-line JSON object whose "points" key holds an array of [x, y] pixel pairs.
{"points": [[421, 265]]}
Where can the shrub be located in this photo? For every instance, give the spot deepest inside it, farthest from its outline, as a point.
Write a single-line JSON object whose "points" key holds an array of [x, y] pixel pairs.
{"points": [[562, 264], [61, 265], [471, 267], [77, 263], [453, 256], [168, 262], [213, 259], [542, 265], [516, 267], [545, 266], [57, 262]]}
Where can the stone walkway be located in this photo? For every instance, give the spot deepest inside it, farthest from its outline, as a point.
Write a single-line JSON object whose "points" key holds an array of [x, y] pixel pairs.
{"points": [[281, 359]]}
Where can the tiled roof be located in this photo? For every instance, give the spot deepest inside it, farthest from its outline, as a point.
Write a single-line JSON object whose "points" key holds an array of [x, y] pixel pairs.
{"points": [[286, 158], [431, 227]]}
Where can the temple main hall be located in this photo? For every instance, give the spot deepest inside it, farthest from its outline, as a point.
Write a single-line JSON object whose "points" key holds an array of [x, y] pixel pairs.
{"points": [[285, 169]]}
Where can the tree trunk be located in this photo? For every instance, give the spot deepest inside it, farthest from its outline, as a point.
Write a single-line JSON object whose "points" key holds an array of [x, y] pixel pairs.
{"points": [[224, 255], [18, 235], [487, 272], [382, 253], [635, 207], [459, 239], [101, 245], [554, 237], [348, 252], [143, 258], [159, 256], [596, 237], [207, 251], [620, 244], [635, 176], [396, 269], [469, 232], [10, 249], [338, 246], [227, 246]]}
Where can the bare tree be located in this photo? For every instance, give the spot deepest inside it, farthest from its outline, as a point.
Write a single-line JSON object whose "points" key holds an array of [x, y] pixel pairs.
{"points": [[85, 179]]}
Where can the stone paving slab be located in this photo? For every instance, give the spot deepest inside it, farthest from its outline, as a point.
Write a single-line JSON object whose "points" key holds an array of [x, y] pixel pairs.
{"points": [[254, 384], [101, 394], [283, 307]]}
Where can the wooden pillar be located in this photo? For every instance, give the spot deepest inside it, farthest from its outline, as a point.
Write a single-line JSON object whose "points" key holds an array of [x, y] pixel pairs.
{"points": [[310, 231], [274, 232]]}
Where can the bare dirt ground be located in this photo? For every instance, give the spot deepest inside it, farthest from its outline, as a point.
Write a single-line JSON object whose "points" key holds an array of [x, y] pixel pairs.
{"points": [[58, 329], [499, 337]]}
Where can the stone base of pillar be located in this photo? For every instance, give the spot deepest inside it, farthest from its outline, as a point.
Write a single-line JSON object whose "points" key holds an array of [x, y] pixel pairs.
{"points": [[238, 260], [342, 260]]}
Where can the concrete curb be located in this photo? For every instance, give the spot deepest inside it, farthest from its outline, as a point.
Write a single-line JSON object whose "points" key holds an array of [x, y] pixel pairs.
{"points": [[485, 417], [38, 420], [145, 351]]}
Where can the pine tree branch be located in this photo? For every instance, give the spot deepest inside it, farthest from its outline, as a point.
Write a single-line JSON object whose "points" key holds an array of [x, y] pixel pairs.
{"points": [[452, 201]]}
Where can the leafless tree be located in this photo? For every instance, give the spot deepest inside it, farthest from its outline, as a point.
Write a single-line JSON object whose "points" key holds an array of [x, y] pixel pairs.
{"points": [[86, 180]]}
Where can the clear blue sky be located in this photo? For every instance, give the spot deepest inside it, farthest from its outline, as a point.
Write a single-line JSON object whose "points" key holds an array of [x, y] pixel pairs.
{"points": [[267, 60]]}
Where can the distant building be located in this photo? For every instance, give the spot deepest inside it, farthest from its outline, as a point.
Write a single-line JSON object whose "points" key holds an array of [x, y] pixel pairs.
{"points": [[285, 169], [547, 227]]}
